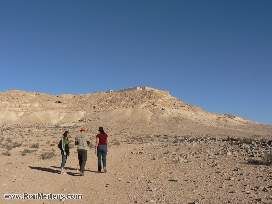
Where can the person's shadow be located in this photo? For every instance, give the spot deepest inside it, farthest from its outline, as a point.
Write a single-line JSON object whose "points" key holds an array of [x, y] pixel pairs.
{"points": [[73, 174], [45, 169], [258, 162], [56, 170], [74, 169], [67, 168]]}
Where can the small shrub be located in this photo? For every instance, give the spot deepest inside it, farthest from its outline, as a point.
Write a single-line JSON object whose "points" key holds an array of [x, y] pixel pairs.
{"points": [[36, 145], [47, 155], [268, 157], [2, 139], [27, 151], [8, 140], [246, 141], [8, 147], [16, 144], [229, 116], [115, 142], [7, 153]]}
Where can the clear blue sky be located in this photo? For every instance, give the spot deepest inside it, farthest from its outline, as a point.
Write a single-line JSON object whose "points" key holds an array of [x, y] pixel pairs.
{"points": [[215, 54]]}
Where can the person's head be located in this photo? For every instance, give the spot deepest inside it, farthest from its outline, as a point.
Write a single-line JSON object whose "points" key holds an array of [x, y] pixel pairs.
{"points": [[82, 130], [65, 134], [101, 130]]}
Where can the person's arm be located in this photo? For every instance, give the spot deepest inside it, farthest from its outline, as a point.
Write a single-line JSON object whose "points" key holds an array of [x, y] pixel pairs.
{"points": [[76, 141], [96, 143], [107, 144], [68, 148], [87, 141], [63, 146]]}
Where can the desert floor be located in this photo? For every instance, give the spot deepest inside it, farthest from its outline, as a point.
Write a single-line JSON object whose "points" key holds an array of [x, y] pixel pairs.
{"points": [[179, 171]]}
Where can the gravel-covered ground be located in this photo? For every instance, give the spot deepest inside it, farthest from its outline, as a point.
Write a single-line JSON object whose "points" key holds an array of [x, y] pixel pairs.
{"points": [[141, 168]]}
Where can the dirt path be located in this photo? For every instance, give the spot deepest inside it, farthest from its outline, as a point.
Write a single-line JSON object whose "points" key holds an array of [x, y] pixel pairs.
{"points": [[31, 175], [145, 173]]}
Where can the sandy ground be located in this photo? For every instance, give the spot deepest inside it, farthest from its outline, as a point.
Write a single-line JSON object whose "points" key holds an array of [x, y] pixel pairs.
{"points": [[30, 175], [192, 172]]}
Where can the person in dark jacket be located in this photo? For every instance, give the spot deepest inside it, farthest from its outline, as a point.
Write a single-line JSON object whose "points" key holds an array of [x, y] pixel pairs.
{"points": [[64, 148], [101, 149]]}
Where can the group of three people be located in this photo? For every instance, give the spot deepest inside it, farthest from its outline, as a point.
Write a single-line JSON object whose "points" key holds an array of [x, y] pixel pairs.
{"points": [[82, 143]]}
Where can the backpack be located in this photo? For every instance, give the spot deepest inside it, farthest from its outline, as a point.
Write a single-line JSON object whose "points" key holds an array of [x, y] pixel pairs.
{"points": [[60, 144]]}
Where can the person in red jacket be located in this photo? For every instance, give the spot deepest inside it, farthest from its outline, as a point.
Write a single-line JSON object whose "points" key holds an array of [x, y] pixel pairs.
{"points": [[101, 149]]}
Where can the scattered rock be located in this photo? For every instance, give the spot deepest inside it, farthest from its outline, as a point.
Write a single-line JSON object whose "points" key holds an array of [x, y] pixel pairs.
{"points": [[173, 180], [264, 189], [194, 202], [232, 191]]}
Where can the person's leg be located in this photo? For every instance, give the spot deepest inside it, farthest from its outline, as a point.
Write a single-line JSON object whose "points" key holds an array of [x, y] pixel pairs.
{"points": [[66, 157], [79, 158], [99, 155], [84, 159], [63, 161], [104, 158]]}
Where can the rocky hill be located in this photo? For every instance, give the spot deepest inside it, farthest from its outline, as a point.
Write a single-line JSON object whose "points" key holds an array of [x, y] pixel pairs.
{"points": [[140, 110]]}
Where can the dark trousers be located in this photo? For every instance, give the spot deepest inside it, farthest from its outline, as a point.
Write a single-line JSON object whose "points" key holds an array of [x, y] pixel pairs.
{"points": [[63, 159], [82, 158], [101, 155]]}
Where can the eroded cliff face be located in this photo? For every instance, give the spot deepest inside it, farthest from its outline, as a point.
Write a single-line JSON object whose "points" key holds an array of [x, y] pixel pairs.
{"points": [[141, 110]]}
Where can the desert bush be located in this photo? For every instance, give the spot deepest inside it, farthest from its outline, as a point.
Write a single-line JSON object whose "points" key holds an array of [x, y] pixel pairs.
{"points": [[9, 140], [27, 151], [47, 155], [229, 116], [246, 140], [6, 153], [258, 162], [36, 145], [2, 139], [16, 144], [8, 147], [268, 157], [115, 142]]}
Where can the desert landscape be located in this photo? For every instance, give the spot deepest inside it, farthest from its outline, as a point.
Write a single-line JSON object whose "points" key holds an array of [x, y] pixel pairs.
{"points": [[161, 149]]}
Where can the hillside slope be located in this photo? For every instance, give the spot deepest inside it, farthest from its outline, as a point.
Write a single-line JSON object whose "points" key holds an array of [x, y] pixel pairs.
{"points": [[139, 111]]}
